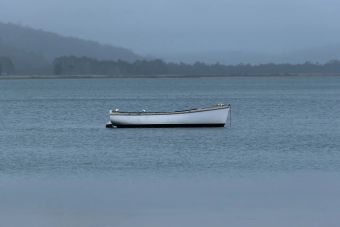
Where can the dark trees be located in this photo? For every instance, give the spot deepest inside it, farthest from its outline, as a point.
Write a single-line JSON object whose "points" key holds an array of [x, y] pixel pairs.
{"points": [[6, 66], [89, 66]]}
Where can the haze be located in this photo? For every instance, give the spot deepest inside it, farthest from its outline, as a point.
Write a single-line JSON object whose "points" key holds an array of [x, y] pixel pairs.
{"points": [[175, 27]]}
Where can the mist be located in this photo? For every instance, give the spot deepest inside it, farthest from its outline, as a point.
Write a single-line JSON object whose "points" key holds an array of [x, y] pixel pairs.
{"points": [[156, 27], [248, 201]]}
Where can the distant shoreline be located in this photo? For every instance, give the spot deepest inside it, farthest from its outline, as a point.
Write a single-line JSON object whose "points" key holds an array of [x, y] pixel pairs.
{"points": [[54, 77]]}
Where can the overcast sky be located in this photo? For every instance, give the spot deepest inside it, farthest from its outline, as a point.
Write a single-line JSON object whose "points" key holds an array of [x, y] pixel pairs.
{"points": [[169, 26]]}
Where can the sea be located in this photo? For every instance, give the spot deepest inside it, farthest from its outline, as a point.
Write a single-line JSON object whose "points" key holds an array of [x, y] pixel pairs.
{"points": [[275, 163]]}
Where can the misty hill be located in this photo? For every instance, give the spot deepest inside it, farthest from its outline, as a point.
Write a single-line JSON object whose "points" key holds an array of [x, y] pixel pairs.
{"points": [[318, 54], [223, 57], [33, 51]]}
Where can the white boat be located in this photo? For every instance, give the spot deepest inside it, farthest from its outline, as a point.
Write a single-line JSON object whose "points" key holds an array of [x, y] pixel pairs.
{"points": [[216, 116]]}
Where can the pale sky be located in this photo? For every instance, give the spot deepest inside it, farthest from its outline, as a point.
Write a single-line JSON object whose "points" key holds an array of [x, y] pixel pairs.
{"points": [[171, 26]]}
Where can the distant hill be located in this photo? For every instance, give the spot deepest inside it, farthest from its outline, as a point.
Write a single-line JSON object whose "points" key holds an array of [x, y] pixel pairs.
{"points": [[318, 54], [33, 51], [223, 57]]}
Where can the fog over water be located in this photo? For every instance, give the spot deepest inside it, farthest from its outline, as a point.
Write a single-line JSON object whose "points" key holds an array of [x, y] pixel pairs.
{"points": [[281, 201], [162, 27]]}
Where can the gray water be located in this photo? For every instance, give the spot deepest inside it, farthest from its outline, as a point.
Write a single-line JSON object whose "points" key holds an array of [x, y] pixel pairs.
{"points": [[60, 166]]}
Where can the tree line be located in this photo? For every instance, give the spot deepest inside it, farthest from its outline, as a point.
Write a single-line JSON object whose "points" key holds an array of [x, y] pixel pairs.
{"points": [[70, 65], [6, 66]]}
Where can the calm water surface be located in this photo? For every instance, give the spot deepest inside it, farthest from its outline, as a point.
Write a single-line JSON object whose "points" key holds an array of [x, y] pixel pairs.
{"points": [[283, 143], [278, 124]]}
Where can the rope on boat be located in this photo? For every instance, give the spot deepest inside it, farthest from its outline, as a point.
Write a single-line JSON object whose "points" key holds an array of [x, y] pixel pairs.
{"points": [[230, 116]]}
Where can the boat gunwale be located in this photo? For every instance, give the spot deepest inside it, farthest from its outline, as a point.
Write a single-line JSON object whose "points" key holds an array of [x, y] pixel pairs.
{"points": [[113, 113]]}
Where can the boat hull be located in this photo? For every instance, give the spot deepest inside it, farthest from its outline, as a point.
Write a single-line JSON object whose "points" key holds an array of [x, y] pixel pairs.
{"points": [[209, 117], [171, 126]]}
